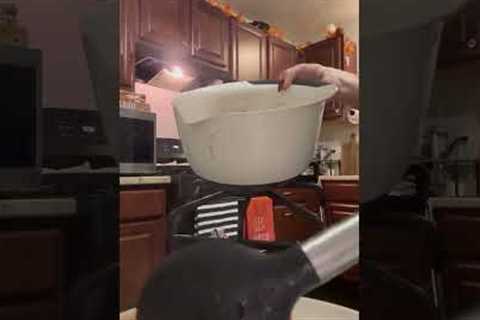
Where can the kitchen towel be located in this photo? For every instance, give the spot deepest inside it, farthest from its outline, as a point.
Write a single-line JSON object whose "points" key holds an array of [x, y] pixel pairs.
{"points": [[259, 220], [220, 219]]}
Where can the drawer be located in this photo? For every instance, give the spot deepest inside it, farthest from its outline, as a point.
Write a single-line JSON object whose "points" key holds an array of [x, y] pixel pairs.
{"points": [[462, 285], [459, 235], [308, 197], [31, 262], [337, 212], [293, 227], [142, 204], [41, 310], [345, 191]]}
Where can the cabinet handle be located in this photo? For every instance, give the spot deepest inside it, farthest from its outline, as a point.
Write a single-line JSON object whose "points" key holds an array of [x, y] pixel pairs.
{"points": [[287, 193], [288, 214]]}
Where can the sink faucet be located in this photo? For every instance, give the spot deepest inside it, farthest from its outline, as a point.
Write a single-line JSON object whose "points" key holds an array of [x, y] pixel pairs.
{"points": [[453, 146]]}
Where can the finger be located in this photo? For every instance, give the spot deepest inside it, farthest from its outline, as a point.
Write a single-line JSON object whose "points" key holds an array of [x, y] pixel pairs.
{"points": [[287, 78], [281, 81]]}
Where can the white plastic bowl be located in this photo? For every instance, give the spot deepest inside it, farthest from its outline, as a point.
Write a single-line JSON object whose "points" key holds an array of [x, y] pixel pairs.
{"points": [[250, 134]]}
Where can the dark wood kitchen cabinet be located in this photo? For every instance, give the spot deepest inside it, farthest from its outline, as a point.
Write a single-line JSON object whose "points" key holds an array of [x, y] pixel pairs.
{"points": [[143, 237], [32, 274], [459, 231], [291, 226], [330, 53], [210, 36], [129, 30], [281, 56], [249, 52], [166, 24], [342, 202], [342, 199], [461, 37]]}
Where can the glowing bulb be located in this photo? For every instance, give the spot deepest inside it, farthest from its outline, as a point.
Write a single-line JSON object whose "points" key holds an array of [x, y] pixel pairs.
{"points": [[176, 72]]}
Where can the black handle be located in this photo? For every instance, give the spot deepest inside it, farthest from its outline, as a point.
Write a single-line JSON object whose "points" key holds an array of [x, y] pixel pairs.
{"points": [[295, 82]]}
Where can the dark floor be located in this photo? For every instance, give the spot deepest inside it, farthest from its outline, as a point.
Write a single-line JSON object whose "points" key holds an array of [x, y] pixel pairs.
{"points": [[340, 292]]}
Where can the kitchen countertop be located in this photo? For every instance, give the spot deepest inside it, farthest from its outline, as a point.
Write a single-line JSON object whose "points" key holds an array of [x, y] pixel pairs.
{"points": [[305, 309], [145, 180], [452, 202], [339, 178]]}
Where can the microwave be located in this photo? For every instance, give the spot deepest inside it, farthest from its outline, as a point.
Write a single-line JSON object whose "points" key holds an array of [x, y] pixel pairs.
{"points": [[21, 118], [137, 154]]}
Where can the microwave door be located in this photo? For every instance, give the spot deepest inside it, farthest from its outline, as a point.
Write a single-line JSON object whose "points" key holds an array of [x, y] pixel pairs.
{"points": [[137, 147]]}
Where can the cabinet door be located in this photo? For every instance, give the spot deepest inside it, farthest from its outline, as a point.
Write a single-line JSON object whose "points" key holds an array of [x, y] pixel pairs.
{"points": [[142, 246], [461, 37], [306, 197], [329, 53], [249, 50], [462, 285], [31, 268], [337, 212], [459, 230], [42, 310], [142, 204], [291, 226], [341, 191], [281, 56], [210, 35], [129, 32], [166, 23]]}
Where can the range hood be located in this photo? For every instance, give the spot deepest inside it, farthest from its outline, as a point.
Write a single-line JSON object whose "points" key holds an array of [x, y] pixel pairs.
{"points": [[156, 68], [155, 73]]}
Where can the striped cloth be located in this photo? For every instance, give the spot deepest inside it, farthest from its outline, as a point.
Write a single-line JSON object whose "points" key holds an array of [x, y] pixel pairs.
{"points": [[221, 219]]}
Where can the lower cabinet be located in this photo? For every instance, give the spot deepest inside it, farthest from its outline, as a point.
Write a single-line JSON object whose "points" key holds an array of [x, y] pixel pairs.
{"points": [[32, 274], [41, 310], [341, 203], [142, 247], [143, 239], [292, 226], [459, 232]]}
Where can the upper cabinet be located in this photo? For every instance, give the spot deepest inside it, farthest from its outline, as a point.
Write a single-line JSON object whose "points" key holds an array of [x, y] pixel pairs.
{"points": [[210, 35], [249, 52], [199, 37], [129, 32], [281, 56], [461, 37], [328, 52], [166, 24], [331, 53]]}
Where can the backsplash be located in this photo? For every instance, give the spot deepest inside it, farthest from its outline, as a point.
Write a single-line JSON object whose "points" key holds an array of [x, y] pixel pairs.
{"points": [[454, 106], [334, 133], [160, 101]]}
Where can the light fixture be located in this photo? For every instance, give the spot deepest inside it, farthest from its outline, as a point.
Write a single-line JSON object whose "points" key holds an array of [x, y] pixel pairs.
{"points": [[176, 72]]}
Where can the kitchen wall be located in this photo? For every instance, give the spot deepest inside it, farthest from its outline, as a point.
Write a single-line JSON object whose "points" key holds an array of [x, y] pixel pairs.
{"points": [[160, 103], [456, 104]]}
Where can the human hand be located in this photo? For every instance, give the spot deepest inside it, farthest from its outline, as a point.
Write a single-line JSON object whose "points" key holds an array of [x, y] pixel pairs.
{"points": [[347, 83]]}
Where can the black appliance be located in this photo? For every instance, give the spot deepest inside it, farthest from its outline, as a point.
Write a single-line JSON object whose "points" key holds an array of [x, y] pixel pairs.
{"points": [[170, 150], [137, 132], [74, 138], [21, 114]]}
